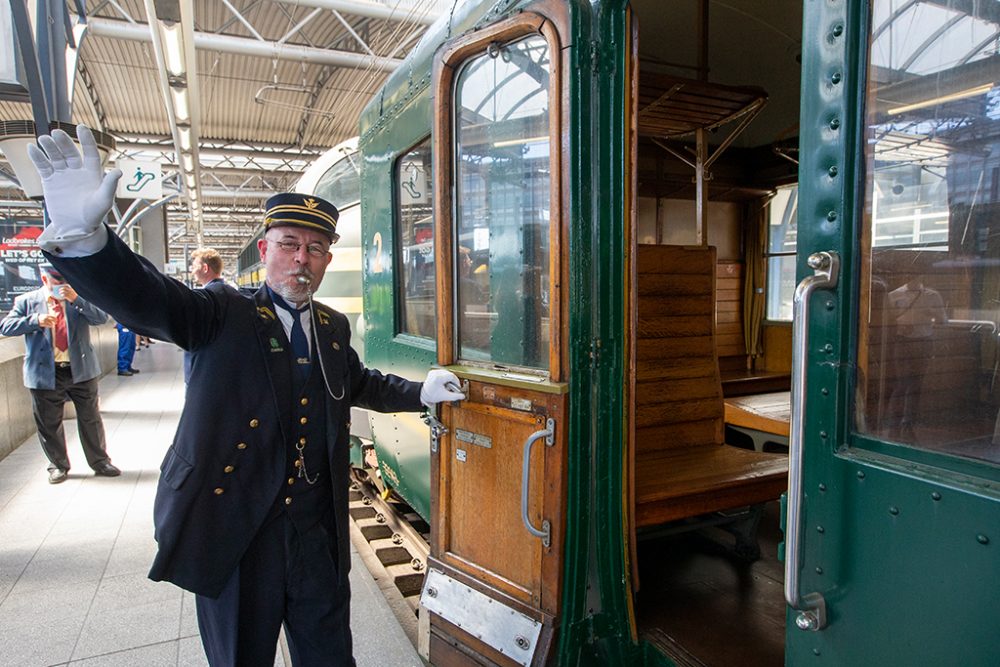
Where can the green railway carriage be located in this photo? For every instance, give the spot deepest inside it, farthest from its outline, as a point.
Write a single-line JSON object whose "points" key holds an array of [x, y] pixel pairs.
{"points": [[598, 215]]}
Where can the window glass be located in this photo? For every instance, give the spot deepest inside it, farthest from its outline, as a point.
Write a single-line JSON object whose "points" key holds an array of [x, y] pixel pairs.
{"points": [[781, 242], [502, 205], [341, 184], [415, 240], [928, 354]]}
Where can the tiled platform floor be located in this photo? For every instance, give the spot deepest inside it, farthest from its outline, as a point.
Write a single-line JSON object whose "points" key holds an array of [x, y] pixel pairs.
{"points": [[74, 556]]}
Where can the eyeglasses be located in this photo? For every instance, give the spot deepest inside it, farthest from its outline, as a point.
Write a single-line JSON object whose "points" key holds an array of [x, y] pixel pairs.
{"points": [[314, 249]]}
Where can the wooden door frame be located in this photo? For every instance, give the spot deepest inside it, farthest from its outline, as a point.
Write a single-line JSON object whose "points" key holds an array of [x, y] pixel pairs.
{"points": [[446, 64]]}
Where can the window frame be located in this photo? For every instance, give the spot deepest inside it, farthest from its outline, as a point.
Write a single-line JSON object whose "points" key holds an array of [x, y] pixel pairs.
{"points": [[767, 261], [398, 268], [447, 64]]}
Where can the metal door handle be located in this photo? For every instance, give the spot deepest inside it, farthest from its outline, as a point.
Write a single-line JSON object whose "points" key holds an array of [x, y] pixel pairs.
{"points": [[546, 532], [811, 608]]}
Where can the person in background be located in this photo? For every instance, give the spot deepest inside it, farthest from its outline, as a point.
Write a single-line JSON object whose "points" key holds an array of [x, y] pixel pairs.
{"points": [[251, 507], [126, 350], [60, 364], [206, 267], [206, 270]]}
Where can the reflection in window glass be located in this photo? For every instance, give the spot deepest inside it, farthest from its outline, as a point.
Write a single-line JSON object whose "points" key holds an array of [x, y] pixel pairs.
{"points": [[928, 349], [415, 238], [781, 243], [341, 184], [502, 205]]}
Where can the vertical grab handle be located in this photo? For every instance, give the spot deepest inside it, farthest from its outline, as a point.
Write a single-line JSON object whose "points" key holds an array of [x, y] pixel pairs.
{"points": [[811, 608], [546, 531]]}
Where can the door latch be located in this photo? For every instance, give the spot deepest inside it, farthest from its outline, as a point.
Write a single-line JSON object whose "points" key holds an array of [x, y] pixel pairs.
{"points": [[438, 429]]}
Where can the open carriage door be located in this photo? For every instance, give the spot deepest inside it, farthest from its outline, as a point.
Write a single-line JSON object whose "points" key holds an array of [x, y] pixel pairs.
{"points": [[491, 594], [893, 542]]}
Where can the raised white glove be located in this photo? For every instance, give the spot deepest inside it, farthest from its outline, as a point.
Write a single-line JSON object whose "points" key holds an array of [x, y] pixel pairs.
{"points": [[78, 194], [436, 388]]}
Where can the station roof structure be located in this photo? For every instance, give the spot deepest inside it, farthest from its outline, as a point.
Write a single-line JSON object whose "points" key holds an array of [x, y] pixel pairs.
{"points": [[235, 98]]}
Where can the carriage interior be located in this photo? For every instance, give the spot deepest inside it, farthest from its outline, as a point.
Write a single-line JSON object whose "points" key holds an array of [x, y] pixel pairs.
{"points": [[715, 173], [716, 140]]}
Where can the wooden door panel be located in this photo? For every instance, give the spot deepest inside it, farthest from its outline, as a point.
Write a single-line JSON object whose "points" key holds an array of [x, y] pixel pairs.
{"points": [[481, 468]]}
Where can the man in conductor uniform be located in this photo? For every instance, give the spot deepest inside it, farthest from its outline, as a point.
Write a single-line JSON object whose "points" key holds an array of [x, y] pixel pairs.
{"points": [[251, 508]]}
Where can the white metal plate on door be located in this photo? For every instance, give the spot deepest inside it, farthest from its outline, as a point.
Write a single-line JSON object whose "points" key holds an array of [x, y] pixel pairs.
{"points": [[508, 631]]}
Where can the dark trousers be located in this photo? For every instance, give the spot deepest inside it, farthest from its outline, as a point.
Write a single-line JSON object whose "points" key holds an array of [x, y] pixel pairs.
{"points": [[47, 407], [285, 576], [126, 349]]}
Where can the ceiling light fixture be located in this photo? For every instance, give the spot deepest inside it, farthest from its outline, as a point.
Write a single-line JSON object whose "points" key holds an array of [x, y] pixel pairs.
{"points": [[181, 112], [173, 42], [960, 95]]}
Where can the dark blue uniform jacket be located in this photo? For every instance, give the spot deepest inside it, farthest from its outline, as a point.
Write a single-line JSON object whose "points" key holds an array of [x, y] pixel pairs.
{"points": [[226, 466]]}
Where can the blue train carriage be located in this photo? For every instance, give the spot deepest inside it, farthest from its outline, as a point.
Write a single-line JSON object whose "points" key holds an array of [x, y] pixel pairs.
{"points": [[566, 202]]}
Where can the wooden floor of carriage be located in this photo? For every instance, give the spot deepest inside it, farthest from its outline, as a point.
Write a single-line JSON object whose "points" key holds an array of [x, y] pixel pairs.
{"points": [[74, 556], [709, 607]]}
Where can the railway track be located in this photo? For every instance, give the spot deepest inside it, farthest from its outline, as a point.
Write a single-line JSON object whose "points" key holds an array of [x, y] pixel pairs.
{"points": [[392, 541]]}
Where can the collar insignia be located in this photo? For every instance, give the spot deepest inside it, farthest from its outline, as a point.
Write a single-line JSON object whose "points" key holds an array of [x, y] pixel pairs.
{"points": [[265, 313], [324, 318]]}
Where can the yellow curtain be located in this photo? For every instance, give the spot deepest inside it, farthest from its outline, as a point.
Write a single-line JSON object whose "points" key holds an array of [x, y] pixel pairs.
{"points": [[754, 277]]}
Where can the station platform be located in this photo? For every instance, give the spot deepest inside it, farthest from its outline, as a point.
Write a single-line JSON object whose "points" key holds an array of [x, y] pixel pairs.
{"points": [[74, 556]]}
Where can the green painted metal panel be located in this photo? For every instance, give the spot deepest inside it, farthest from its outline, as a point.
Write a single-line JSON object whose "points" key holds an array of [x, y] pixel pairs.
{"points": [[903, 549], [597, 628], [401, 440]]}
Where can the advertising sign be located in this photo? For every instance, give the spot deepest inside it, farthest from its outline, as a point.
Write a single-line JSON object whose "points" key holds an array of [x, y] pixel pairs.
{"points": [[21, 257]]}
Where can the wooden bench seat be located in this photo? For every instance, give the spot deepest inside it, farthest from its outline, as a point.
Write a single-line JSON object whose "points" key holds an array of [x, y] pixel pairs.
{"points": [[682, 468], [686, 482]]}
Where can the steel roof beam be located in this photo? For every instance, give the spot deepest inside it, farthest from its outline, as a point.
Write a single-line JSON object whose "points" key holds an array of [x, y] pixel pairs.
{"points": [[156, 140], [180, 15], [249, 47], [222, 153], [369, 9]]}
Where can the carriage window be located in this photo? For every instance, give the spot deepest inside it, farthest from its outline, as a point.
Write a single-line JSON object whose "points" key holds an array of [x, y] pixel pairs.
{"points": [[502, 205], [415, 240], [781, 235], [928, 353], [341, 183]]}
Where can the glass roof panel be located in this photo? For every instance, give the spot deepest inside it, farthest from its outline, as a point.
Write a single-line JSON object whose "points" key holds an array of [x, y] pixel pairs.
{"points": [[909, 36]]}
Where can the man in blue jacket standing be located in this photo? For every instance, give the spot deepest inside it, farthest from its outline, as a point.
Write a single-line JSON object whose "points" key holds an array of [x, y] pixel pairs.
{"points": [[251, 508], [60, 364]]}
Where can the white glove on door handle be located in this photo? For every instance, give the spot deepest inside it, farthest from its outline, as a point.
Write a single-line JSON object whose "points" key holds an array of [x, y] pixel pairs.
{"points": [[78, 194], [436, 388]]}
